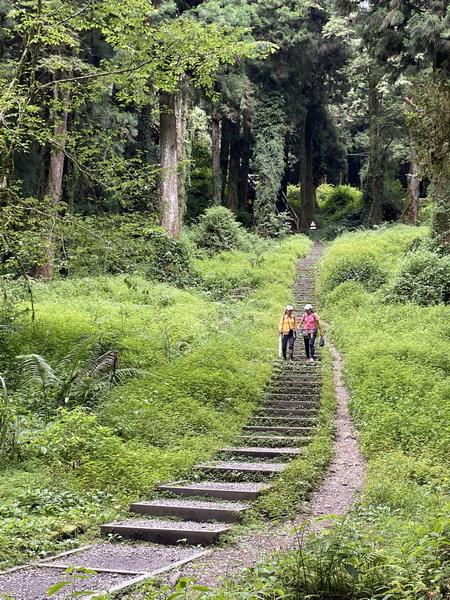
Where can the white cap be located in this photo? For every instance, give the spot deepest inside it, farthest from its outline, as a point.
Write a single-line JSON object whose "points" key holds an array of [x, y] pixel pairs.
{"points": [[308, 306], [289, 307]]}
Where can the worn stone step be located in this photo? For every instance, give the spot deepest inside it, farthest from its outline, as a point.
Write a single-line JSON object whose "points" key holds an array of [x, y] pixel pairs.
{"points": [[276, 403], [290, 421], [192, 510], [300, 399], [293, 395], [305, 412], [243, 467], [276, 440], [263, 452], [216, 489], [280, 429], [167, 532]]}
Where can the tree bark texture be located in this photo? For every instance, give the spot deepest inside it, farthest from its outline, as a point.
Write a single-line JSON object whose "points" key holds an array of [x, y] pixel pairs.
{"points": [[215, 151], [225, 154], [413, 194], [234, 168], [440, 226], [169, 191], [374, 182], [54, 185], [245, 162], [181, 118]]}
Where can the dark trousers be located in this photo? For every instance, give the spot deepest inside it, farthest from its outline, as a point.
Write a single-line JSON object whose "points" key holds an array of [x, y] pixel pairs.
{"points": [[287, 339], [309, 345]]}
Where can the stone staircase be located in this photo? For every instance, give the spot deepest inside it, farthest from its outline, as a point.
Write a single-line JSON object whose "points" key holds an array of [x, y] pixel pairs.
{"points": [[198, 512]]}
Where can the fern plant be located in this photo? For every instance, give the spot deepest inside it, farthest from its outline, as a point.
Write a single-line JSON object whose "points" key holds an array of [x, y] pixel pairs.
{"points": [[83, 375]]}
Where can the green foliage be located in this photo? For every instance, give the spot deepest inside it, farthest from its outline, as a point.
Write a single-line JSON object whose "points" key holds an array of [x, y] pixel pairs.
{"points": [[423, 278], [339, 201], [217, 230], [366, 257], [293, 196]]}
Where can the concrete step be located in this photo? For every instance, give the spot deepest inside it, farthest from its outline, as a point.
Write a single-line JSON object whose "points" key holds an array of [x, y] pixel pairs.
{"points": [[275, 403], [280, 420], [277, 440], [265, 452], [305, 412], [216, 489], [243, 467], [293, 395], [167, 532], [192, 510], [279, 429]]}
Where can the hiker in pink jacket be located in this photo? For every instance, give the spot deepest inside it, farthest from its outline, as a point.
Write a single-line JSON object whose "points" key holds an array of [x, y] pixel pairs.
{"points": [[309, 325]]}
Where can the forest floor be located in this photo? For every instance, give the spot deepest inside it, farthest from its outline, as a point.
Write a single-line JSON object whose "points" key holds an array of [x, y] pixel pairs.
{"points": [[339, 489]]}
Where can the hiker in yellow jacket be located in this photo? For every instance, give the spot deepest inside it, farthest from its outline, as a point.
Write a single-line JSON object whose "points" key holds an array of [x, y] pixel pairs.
{"points": [[288, 331]]}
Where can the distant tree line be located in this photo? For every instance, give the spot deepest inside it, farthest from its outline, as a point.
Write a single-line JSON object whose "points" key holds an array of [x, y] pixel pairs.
{"points": [[169, 108]]}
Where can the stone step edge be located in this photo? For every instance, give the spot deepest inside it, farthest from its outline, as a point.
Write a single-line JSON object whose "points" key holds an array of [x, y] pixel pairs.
{"points": [[268, 468], [222, 493], [166, 535], [191, 513]]}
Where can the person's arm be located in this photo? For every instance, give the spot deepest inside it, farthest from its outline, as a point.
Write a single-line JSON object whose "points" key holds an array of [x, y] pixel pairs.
{"points": [[300, 323], [280, 326]]}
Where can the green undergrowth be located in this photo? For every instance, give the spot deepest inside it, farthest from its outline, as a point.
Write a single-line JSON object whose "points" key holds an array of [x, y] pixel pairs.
{"points": [[188, 366]]}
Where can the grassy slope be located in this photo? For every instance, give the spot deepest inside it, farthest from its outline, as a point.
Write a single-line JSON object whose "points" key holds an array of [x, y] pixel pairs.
{"points": [[206, 362]]}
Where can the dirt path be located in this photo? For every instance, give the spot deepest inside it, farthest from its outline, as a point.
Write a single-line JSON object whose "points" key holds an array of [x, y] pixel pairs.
{"points": [[340, 488]]}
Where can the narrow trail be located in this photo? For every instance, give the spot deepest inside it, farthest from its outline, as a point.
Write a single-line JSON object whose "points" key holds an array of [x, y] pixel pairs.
{"points": [[198, 511], [340, 486]]}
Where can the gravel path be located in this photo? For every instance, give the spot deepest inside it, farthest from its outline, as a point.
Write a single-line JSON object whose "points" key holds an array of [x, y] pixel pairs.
{"points": [[136, 558], [340, 488], [33, 584]]}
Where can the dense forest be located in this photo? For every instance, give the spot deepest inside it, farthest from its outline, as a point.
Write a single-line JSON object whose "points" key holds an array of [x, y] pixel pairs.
{"points": [[161, 166], [144, 114]]}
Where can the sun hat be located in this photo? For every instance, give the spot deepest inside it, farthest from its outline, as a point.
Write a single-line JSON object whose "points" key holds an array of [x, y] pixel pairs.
{"points": [[289, 307], [308, 306]]}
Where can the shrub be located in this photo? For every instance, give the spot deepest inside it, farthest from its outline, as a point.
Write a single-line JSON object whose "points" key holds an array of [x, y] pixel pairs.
{"points": [[362, 269], [168, 259], [217, 230], [293, 196], [424, 278], [340, 200]]}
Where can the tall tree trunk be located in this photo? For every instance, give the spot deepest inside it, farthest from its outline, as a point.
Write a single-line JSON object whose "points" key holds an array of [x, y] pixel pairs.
{"points": [[245, 162], [234, 166], [413, 193], [44, 270], [373, 193], [181, 117], [225, 154], [307, 187], [215, 151], [440, 226], [169, 193]]}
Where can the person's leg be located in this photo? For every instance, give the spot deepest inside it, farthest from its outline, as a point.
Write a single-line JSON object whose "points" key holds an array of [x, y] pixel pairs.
{"points": [[312, 341], [284, 341], [291, 345], [306, 341]]}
